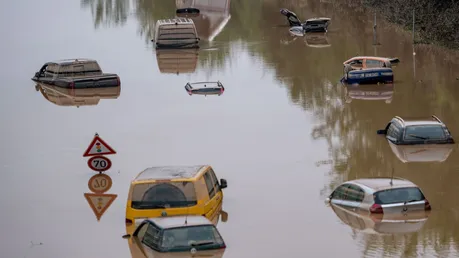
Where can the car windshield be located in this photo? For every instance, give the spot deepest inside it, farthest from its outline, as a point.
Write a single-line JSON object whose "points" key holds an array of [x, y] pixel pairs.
{"points": [[424, 132], [397, 195], [199, 237], [164, 195]]}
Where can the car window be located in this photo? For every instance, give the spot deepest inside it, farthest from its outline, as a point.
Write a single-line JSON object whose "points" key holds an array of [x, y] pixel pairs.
{"points": [[340, 192], [430, 132], [357, 63], [355, 193], [152, 237], [141, 232], [398, 195], [160, 195], [370, 63], [210, 184], [393, 132], [185, 237], [214, 179]]}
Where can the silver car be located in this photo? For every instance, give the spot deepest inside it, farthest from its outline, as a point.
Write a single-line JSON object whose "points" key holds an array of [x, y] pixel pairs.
{"points": [[380, 195]]}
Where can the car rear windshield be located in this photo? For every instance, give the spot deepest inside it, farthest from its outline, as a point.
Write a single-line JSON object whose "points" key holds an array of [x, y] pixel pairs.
{"points": [[424, 132], [163, 195], [199, 237], [397, 195]]}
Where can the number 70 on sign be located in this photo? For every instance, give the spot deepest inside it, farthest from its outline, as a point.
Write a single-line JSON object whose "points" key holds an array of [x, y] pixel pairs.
{"points": [[99, 163]]}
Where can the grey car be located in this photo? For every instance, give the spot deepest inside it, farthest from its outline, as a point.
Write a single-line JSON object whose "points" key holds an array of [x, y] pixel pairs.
{"points": [[380, 195]]}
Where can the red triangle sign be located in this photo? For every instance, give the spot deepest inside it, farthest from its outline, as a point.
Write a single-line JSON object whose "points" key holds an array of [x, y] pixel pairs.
{"points": [[98, 147], [99, 203]]}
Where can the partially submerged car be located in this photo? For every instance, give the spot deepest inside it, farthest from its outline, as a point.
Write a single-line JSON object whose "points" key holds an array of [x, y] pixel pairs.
{"points": [[75, 74], [205, 88], [318, 24], [176, 33], [77, 97], [369, 70], [422, 152], [177, 60], [180, 235], [369, 92], [174, 190], [381, 224], [409, 131], [380, 195]]}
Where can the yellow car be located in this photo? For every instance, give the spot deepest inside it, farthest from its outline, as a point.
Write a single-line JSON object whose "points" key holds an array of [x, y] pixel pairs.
{"points": [[174, 190]]}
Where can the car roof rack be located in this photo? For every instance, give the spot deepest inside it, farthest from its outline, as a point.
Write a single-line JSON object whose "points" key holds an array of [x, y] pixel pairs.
{"points": [[436, 118], [401, 119]]}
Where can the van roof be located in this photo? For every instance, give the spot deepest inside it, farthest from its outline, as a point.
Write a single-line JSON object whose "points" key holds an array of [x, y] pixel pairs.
{"points": [[169, 172], [73, 60], [180, 21], [382, 183], [179, 221]]}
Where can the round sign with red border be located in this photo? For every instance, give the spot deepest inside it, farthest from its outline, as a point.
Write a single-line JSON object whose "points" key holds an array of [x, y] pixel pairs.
{"points": [[99, 163], [100, 183]]}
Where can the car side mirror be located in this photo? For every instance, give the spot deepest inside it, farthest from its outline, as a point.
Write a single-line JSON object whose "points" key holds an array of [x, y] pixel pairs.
{"points": [[224, 215], [127, 236], [223, 183], [382, 131]]}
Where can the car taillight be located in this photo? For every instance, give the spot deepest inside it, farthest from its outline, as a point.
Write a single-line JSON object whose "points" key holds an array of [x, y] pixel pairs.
{"points": [[72, 85], [118, 80], [128, 221], [376, 208], [427, 205]]}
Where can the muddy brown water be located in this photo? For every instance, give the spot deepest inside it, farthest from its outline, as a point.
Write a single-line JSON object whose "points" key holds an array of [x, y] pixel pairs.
{"points": [[283, 134]]}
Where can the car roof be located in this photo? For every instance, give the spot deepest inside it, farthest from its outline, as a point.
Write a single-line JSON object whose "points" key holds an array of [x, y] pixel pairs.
{"points": [[319, 19], [72, 60], [368, 57], [382, 183], [169, 172], [214, 83], [179, 221], [432, 120]]}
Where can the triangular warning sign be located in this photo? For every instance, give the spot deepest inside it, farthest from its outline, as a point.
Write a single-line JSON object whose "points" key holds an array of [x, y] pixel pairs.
{"points": [[98, 147], [99, 202]]}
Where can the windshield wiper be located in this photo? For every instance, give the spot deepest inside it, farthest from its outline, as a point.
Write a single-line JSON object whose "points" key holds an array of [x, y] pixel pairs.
{"points": [[203, 243], [412, 201], [153, 206], [419, 137]]}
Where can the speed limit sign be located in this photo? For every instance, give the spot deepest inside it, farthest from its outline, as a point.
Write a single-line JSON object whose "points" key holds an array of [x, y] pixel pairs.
{"points": [[99, 163]]}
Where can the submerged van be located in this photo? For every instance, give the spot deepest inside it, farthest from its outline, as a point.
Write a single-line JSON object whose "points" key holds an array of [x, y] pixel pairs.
{"points": [[174, 190], [176, 33]]}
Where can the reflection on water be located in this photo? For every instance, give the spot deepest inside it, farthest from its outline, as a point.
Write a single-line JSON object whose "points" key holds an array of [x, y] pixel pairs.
{"points": [[317, 40], [77, 97], [98, 200], [422, 152], [381, 224], [369, 92], [177, 60]]}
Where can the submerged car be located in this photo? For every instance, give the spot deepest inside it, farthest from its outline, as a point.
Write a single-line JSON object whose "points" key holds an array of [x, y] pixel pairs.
{"points": [[369, 92], [180, 235], [319, 24], [205, 88], [382, 224], [369, 70], [380, 195], [404, 131], [76, 74], [176, 33], [174, 190], [77, 97]]}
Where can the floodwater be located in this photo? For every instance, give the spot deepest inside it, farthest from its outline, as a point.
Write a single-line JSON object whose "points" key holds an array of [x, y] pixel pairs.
{"points": [[283, 134]]}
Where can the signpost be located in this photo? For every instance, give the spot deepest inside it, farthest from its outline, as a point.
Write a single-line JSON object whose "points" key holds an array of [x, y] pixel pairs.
{"points": [[99, 163], [100, 183], [99, 203]]}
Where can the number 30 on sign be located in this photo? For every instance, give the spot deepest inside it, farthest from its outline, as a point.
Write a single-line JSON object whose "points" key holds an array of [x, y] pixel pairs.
{"points": [[99, 163]]}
